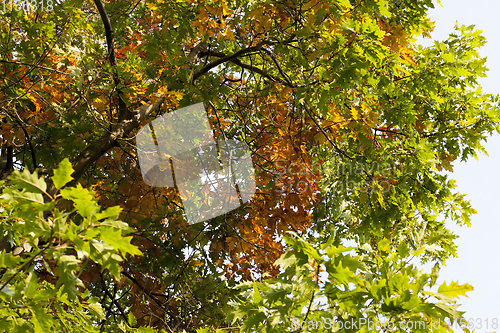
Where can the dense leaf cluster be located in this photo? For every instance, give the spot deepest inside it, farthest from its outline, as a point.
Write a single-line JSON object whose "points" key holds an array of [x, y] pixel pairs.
{"points": [[349, 122]]}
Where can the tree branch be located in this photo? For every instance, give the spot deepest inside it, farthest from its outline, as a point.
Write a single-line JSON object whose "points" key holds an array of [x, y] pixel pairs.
{"points": [[110, 34], [121, 130], [234, 59], [226, 58], [19, 121], [107, 141], [283, 74], [325, 134], [32, 65], [144, 290], [127, 120], [110, 40]]}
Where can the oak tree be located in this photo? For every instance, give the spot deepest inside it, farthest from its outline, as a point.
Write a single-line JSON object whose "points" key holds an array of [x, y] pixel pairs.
{"points": [[349, 122]]}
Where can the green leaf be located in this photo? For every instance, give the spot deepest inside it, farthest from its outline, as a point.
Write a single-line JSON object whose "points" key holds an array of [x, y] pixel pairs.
{"points": [[8, 260], [67, 265], [83, 199], [113, 211], [31, 287], [454, 290], [43, 295], [114, 238], [338, 273], [27, 199], [60, 219], [384, 245], [256, 293], [131, 319], [403, 250], [116, 224], [28, 181], [62, 175], [286, 260], [97, 309], [41, 320], [451, 310]]}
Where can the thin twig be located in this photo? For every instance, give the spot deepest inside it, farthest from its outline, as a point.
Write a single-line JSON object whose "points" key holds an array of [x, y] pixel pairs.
{"points": [[33, 65], [22, 267], [325, 134]]}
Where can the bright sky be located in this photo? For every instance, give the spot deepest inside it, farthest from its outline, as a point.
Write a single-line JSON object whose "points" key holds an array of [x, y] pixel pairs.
{"points": [[478, 246]]}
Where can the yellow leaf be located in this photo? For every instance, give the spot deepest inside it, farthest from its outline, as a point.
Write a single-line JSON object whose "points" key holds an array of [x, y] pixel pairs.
{"points": [[230, 35], [321, 138], [99, 102], [308, 5], [380, 200], [225, 9], [152, 6], [355, 113]]}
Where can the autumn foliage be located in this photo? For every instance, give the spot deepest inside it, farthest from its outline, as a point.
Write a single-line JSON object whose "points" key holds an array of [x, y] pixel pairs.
{"points": [[349, 122]]}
